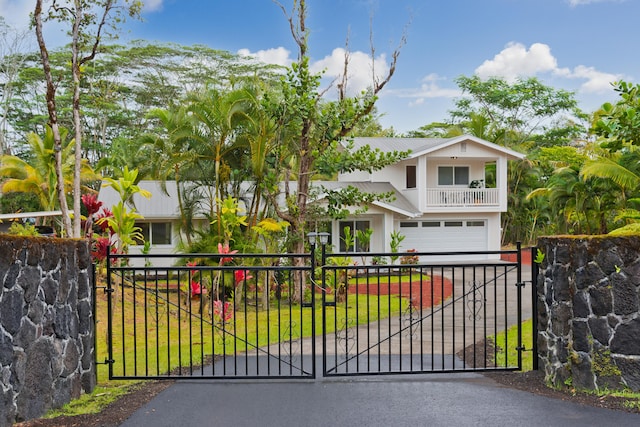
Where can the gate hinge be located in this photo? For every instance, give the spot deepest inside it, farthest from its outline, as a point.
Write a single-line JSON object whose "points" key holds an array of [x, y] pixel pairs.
{"points": [[521, 284], [106, 362], [105, 289]]}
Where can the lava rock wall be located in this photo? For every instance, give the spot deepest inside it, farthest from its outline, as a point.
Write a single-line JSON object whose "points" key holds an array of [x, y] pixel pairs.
{"points": [[589, 311], [46, 325]]}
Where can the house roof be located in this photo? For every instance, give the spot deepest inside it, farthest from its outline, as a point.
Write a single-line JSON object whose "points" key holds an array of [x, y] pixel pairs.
{"points": [[161, 205], [421, 146], [400, 205]]}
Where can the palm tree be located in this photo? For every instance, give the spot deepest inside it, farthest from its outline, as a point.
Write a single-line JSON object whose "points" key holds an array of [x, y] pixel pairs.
{"points": [[37, 174], [215, 118], [258, 134], [622, 170]]}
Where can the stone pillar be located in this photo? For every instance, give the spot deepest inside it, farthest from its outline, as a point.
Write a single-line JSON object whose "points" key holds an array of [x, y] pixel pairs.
{"points": [[46, 325], [588, 311]]}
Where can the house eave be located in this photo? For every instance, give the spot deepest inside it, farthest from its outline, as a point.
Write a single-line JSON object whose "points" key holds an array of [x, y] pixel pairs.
{"points": [[392, 208]]}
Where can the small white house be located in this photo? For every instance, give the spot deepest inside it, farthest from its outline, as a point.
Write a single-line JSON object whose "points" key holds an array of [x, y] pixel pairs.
{"points": [[441, 201]]}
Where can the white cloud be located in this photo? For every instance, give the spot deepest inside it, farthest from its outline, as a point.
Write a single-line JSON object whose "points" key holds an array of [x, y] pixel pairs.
{"points": [[597, 81], [152, 5], [429, 89], [361, 69], [515, 61], [581, 2], [276, 56], [360, 66]]}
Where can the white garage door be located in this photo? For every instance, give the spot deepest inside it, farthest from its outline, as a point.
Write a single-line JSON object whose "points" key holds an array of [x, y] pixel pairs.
{"points": [[445, 235]]}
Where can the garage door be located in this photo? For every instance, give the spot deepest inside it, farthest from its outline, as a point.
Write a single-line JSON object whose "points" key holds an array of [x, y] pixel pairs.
{"points": [[445, 235]]}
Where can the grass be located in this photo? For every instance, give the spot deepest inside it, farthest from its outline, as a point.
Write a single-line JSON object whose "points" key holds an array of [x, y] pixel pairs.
{"points": [[509, 339], [152, 340], [93, 403]]}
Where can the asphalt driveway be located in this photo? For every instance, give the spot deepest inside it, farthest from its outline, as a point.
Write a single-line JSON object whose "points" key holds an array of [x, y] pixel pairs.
{"points": [[465, 399]]}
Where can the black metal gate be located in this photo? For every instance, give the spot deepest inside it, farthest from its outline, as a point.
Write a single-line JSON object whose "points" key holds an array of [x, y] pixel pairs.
{"points": [[268, 316], [424, 317], [210, 319]]}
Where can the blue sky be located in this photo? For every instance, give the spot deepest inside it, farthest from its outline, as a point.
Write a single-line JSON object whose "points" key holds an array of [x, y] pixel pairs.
{"points": [[577, 45]]}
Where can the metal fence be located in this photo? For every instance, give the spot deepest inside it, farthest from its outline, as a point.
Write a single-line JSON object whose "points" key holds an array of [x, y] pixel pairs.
{"points": [[281, 315]]}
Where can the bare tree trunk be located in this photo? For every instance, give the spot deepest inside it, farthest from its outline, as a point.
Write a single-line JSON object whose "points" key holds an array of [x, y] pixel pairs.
{"points": [[77, 125], [53, 120]]}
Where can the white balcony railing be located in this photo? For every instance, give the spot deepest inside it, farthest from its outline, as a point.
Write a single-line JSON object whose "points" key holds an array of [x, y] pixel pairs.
{"points": [[454, 197]]}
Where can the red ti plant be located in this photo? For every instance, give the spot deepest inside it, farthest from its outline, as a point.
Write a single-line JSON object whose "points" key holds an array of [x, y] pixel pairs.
{"points": [[196, 287], [100, 247], [222, 312], [93, 205], [224, 249], [241, 276]]}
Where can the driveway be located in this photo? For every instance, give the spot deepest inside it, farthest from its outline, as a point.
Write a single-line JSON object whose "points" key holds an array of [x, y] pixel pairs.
{"points": [[418, 400]]}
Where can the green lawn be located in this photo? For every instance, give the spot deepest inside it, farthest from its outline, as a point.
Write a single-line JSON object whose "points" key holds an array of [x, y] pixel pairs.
{"points": [[153, 335], [511, 354]]}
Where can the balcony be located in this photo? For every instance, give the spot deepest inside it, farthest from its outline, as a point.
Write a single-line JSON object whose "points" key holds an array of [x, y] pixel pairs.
{"points": [[462, 197]]}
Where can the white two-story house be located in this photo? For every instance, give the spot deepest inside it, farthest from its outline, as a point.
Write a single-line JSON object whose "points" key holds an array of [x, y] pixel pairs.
{"points": [[449, 195]]}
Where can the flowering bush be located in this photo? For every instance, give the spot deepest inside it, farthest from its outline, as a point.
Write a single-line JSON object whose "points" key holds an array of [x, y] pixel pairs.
{"points": [[410, 259]]}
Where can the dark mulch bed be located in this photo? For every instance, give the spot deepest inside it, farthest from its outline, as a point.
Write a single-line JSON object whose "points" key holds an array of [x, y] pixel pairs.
{"points": [[423, 293]]}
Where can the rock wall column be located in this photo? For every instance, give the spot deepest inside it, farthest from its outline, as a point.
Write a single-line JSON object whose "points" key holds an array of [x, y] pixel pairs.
{"points": [[46, 325], [589, 311]]}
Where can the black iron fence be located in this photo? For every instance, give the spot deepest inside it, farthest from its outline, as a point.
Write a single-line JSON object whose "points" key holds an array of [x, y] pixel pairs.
{"points": [[265, 316]]}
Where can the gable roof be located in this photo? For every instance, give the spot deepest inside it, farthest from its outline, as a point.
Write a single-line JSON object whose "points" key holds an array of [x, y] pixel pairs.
{"points": [[422, 146]]}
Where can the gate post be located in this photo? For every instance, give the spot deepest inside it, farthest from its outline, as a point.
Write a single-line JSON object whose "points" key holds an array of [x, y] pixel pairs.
{"points": [[519, 293], [312, 274], [534, 305]]}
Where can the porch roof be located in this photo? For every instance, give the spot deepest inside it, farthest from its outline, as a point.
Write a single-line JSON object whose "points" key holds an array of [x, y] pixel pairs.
{"points": [[400, 205]]}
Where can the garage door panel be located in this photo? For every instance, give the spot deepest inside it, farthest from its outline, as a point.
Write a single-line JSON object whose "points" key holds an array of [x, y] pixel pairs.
{"points": [[444, 236]]}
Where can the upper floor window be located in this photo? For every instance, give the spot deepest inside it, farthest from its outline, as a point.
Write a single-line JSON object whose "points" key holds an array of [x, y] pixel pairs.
{"points": [[453, 175], [411, 176]]}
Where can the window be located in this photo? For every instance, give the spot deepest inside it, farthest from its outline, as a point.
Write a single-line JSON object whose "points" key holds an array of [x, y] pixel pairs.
{"points": [[157, 233], [411, 176], [475, 223], [453, 223], [353, 227], [431, 224], [453, 175], [408, 224]]}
